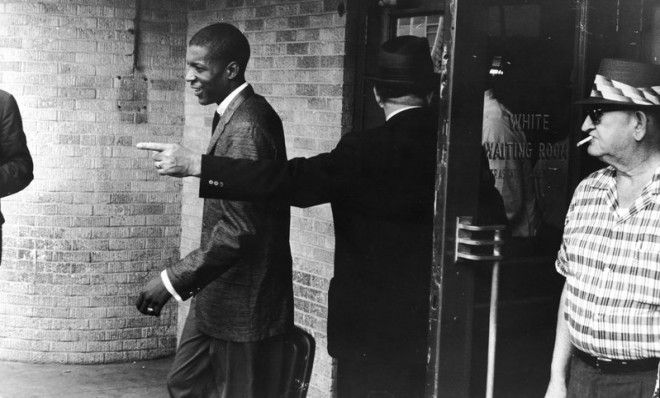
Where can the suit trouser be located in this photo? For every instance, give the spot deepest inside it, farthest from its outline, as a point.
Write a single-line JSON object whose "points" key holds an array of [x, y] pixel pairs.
{"points": [[206, 367], [380, 379], [588, 382]]}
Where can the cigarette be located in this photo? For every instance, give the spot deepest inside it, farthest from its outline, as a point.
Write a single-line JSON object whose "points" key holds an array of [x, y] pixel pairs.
{"points": [[584, 141]]}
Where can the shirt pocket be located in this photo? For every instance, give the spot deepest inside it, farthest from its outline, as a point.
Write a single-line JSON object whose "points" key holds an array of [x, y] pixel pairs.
{"points": [[644, 280]]}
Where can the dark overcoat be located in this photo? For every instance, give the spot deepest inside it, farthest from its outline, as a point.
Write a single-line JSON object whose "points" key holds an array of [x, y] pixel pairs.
{"points": [[15, 159]]}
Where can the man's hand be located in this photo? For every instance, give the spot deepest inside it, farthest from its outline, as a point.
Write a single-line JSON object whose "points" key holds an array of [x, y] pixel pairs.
{"points": [[153, 297], [173, 159]]}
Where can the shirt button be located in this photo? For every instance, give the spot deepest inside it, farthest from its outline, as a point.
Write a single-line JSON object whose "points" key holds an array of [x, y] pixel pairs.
{"points": [[215, 183], [210, 182]]}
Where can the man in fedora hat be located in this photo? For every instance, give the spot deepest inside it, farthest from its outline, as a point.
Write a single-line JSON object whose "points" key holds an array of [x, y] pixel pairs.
{"points": [[380, 184], [608, 327]]}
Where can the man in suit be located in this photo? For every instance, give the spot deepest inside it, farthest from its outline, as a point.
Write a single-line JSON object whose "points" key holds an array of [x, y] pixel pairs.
{"points": [[380, 183], [232, 341], [15, 159]]}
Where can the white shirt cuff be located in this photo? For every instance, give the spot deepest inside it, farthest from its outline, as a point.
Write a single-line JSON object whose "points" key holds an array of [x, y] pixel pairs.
{"points": [[168, 285]]}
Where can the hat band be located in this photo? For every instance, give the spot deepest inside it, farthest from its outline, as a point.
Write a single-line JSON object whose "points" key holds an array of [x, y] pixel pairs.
{"points": [[617, 91]]}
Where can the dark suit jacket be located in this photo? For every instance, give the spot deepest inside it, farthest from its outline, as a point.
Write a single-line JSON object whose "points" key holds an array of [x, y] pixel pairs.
{"points": [[15, 159], [380, 183], [241, 274]]}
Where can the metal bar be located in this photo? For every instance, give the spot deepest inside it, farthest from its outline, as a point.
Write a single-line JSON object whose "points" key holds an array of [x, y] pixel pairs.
{"points": [[477, 257], [492, 321], [482, 228], [478, 242], [136, 36]]}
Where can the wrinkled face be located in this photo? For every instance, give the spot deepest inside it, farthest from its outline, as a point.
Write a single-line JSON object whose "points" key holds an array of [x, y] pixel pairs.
{"points": [[612, 134], [207, 77]]}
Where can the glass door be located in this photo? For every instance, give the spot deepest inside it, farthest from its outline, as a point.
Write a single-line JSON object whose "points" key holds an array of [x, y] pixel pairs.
{"points": [[509, 91]]}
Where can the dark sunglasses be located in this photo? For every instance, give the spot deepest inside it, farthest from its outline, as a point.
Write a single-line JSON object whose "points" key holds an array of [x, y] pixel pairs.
{"points": [[595, 114]]}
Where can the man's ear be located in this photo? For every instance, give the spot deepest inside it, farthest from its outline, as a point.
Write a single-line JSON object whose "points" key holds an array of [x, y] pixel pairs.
{"points": [[232, 70], [641, 125]]}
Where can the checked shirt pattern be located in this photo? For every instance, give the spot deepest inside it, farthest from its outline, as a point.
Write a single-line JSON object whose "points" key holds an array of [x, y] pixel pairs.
{"points": [[610, 257]]}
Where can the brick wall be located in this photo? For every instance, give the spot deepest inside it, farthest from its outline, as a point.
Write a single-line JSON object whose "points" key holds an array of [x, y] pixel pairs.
{"points": [[97, 221], [297, 63]]}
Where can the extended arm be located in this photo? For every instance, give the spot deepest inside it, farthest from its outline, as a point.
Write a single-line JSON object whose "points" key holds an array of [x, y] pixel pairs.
{"points": [[15, 159], [299, 182]]}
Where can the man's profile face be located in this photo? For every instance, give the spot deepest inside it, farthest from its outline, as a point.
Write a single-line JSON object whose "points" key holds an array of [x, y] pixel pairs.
{"points": [[612, 134], [206, 76]]}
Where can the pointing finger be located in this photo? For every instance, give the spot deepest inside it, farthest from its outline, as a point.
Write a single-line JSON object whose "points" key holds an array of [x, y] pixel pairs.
{"points": [[152, 146]]}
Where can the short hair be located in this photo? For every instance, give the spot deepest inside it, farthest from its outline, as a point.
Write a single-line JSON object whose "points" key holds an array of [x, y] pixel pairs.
{"points": [[224, 42], [387, 91]]}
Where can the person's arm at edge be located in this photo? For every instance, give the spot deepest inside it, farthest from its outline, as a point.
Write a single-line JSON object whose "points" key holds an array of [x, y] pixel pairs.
{"points": [[561, 354], [15, 163]]}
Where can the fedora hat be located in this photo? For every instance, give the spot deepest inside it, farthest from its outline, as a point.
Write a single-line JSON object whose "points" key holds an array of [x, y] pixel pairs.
{"points": [[625, 83], [404, 60]]}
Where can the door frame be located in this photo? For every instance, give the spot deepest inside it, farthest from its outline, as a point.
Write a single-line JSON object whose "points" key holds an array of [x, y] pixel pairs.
{"points": [[452, 287]]}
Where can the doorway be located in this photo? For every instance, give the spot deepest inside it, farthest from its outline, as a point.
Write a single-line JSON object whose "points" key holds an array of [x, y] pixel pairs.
{"points": [[549, 51]]}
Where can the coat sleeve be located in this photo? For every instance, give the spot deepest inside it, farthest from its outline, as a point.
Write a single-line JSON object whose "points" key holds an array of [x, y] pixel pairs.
{"points": [[490, 208], [300, 182], [15, 159], [239, 225]]}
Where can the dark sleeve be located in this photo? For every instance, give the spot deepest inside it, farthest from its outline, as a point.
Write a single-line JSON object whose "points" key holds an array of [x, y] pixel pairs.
{"points": [[490, 209], [300, 182], [15, 160]]}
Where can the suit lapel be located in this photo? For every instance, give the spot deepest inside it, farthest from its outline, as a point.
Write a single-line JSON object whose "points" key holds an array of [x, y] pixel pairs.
{"points": [[226, 117]]}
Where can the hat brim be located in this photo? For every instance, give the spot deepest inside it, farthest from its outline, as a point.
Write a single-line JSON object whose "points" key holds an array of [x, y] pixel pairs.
{"points": [[596, 101], [430, 79]]}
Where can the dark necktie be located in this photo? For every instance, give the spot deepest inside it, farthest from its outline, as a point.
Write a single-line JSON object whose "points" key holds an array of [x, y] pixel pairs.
{"points": [[216, 120]]}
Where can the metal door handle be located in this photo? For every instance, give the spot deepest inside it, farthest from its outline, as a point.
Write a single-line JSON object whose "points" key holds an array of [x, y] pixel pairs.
{"points": [[464, 240]]}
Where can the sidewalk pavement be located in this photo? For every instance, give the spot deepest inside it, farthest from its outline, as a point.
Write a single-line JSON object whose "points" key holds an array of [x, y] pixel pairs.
{"points": [[118, 380]]}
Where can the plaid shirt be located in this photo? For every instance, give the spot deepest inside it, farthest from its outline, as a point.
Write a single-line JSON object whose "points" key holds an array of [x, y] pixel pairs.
{"points": [[610, 257]]}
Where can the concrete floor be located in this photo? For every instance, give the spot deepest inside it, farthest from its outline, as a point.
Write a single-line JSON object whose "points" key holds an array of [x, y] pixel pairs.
{"points": [[129, 380]]}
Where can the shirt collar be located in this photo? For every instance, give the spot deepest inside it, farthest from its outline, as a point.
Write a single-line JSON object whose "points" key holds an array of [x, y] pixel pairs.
{"points": [[396, 112], [605, 179], [225, 102]]}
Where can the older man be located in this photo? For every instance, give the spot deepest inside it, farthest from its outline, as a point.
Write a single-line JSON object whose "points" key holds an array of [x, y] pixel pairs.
{"points": [[15, 160], [608, 326]]}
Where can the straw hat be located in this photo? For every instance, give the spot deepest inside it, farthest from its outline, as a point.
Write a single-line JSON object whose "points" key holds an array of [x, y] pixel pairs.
{"points": [[625, 83]]}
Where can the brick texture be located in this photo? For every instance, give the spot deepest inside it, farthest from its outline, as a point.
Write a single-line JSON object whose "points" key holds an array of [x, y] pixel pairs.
{"points": [[297, 64], [97, 221]]}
